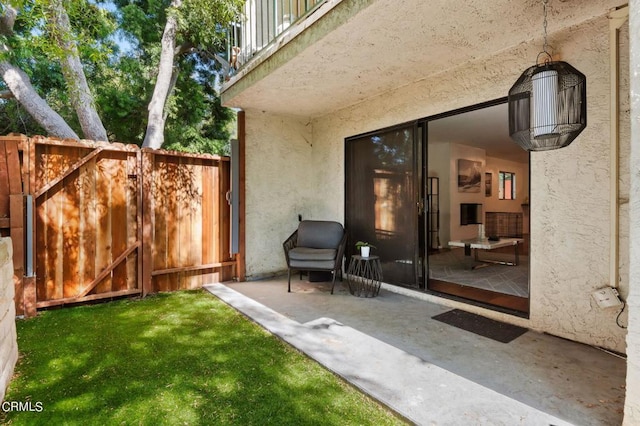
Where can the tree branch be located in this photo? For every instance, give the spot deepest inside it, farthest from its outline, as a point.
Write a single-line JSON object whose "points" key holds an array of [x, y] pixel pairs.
{"points": [[72, 70], [154, 136], [172, 85], [183, 48], [8, 20], [20, 85]]}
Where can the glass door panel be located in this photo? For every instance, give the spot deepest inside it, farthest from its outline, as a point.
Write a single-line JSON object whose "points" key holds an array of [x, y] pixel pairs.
{"points": [[381, 200]]}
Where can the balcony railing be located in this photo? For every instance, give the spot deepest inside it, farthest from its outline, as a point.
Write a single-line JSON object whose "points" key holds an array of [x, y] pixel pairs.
{"points": [[261, 23]]}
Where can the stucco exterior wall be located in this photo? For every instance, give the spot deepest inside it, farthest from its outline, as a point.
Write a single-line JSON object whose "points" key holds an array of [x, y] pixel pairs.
{"points": [[8, 339], [277, 189], [632, 400], [569, 188], [297, 167]]}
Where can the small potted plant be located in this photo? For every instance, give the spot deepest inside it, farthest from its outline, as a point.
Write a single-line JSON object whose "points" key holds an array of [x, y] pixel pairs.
{"points": [[364, 247]]}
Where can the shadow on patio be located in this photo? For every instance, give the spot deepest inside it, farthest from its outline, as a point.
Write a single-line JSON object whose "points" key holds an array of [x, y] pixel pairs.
{"points": [[449, 375]]}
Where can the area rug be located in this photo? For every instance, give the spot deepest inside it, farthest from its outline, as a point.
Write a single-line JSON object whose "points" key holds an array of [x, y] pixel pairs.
{"points": [[454, 267], [480, 325]]}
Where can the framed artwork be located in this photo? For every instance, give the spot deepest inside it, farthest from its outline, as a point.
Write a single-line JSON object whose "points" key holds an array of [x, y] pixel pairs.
{"points": [[469, 175], [487, 184]]}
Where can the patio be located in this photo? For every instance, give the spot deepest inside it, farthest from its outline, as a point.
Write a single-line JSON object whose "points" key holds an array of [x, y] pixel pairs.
{"points": [[433, 372]]}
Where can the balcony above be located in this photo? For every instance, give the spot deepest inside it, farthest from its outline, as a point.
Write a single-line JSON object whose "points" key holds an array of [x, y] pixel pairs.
{"points": [[343, 52]]}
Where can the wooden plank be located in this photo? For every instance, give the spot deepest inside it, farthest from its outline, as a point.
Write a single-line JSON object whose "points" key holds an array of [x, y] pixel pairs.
{"points": [[225, 210], [104, 175], [16, 210], [186, 203], [62, 157], [162, 219], [215, 237], [207, 220], [148, 208], [41, 252], [207, 215], [17, 241], [193, 268], [139, 220], [87, 225], [5, 222], [180, 176], [119, 218], [31, 167], [18, 298], [100, 296], [30, 299], [195, 247], [71, 234], [70, 169], [185, 155], [84, 144], [13, 167], [107, 271], [133, 229], [51, 219], [4, 182], [173, 193]]}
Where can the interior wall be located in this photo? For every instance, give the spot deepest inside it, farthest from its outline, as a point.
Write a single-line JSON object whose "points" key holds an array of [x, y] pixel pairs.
{"points": [[439, 158], [278, 187], [458, 152], [569, 187], [494, 204]]}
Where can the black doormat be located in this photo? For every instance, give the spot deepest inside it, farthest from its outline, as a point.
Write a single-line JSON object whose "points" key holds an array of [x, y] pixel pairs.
{"points": [[482, 326]]}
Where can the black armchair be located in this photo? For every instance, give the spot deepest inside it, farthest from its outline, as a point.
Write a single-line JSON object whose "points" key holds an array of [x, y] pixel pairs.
{"points": [[316, 246]]}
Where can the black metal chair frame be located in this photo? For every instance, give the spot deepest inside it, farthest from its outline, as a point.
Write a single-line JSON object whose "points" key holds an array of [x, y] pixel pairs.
{"points": [[292, 241]]}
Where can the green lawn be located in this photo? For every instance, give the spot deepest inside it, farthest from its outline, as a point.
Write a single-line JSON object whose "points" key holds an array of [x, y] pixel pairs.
{"points": [[178, 358]]}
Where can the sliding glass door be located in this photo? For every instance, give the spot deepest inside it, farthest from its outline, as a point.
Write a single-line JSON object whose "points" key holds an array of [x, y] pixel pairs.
{"points": [[382, 202]]}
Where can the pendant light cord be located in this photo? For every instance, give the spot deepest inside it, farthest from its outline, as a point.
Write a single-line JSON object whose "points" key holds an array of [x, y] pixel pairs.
{"points": [[544, 27], [545, 45]]}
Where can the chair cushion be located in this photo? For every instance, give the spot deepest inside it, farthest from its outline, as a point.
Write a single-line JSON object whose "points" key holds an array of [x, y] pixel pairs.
{"points": [[319, 234], [306, 253], [315, 265]]}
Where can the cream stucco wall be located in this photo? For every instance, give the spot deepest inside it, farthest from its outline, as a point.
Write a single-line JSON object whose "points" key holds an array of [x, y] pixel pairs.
{"points": [[277, 187], [569, 187]]}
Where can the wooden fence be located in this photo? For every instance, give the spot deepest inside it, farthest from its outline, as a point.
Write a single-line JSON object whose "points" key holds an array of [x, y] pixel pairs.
{"points": [[112, 220]]}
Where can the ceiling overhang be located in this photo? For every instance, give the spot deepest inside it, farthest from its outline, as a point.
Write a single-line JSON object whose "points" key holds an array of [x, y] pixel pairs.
{"points": [[351, 50]]}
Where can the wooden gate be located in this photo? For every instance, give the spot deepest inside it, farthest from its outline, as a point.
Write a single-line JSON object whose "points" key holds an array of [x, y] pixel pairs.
{"points": [[112, 220], [88, 209]]}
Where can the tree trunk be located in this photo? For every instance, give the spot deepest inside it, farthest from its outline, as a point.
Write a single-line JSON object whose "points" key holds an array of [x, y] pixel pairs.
{"points": [[154, 136], [79, 92], [20, 85]]}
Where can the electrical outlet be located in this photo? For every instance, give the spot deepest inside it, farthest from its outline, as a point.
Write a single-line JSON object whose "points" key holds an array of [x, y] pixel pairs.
{"points": [[607, 297]]}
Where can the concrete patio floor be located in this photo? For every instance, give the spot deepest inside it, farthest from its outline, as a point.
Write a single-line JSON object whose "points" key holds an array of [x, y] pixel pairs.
{"points": [[430, 372]]}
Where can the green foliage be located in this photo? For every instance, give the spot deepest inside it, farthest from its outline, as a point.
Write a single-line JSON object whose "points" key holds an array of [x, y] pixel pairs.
{"points": [[360, 244], [173, 358], [120, 47]]}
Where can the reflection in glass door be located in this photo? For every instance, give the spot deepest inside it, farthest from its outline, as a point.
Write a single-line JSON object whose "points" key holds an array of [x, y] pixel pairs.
{"points": [[496, 277], [381, 199]]}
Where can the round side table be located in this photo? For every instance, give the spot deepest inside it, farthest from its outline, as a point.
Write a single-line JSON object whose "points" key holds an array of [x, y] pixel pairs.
{"points": [[364, 276]]}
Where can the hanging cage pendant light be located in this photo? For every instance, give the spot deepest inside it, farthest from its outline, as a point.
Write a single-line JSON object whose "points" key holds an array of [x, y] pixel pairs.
{"points": [[547, 105]]}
